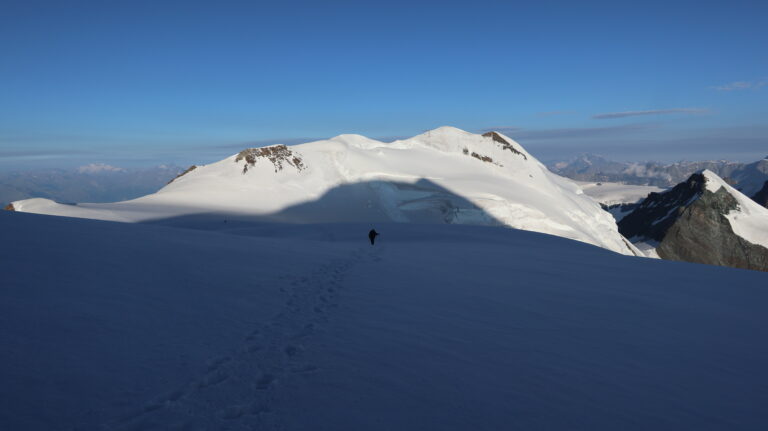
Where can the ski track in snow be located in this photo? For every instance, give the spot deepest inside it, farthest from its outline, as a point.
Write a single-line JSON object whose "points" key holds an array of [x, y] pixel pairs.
{"points": [[245, 379]]}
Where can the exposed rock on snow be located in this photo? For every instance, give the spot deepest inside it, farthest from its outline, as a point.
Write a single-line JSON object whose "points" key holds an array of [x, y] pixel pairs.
{"points": [[619, 211], [188, 170], [655, 214], [505, 145], [277, 154], [702, 220], [9, 207], [481, 158]]}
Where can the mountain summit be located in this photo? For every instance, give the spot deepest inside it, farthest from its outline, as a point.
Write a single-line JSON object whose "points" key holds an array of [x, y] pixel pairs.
{"points": [[702, 220], [445, 175]]}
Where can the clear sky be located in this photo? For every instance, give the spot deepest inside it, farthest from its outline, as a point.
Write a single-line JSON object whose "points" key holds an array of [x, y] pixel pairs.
{"points": [[135, 82]]}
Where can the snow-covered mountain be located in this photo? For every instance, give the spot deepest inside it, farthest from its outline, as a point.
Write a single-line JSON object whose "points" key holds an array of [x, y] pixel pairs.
{"points": [[442, 176], [745, 177], [591, 168], [750, 179], [702, 220]]}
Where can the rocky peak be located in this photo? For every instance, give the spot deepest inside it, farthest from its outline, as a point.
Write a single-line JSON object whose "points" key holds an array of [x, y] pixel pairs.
{"points": [[279, 155], [505, 145], [691, 223], [657, 212], [703, 234], [9, 207]]}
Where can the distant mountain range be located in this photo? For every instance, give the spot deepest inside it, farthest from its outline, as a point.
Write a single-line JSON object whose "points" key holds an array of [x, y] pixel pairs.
{"points": [[748, 178], [89, 183]]}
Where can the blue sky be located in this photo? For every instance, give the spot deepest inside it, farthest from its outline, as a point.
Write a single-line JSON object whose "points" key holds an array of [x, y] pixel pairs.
{"points": [[189, 82]]}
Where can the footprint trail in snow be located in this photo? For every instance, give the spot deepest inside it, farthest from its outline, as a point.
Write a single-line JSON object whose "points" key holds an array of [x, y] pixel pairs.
{"points": [[237, 390]]}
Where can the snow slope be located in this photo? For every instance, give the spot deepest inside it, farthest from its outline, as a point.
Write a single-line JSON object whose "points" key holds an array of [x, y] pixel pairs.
{"points": [[442, 176], [750, 220], [118, 326]]}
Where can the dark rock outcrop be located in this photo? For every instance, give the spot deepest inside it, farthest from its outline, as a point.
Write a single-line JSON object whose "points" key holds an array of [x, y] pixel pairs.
{"points": [[9, 207], [659, 211], [277, 154], [480, 157], [761, 197], [619, 211], [689, 224], [188, 170], [504, 144], [702, 234]]}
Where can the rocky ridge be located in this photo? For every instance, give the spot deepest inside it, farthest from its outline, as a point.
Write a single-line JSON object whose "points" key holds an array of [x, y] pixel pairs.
{"points": [[276, 154], [692, 223]]}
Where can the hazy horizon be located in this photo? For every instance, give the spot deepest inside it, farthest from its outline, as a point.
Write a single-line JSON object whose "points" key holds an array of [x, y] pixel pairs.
{"points": [[540, 145]]}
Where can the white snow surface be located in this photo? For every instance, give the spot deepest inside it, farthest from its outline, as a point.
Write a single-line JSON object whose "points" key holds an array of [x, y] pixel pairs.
{"points": [[430, 178], [616, 193], [115, 326], [750, 219], [648, 247]]}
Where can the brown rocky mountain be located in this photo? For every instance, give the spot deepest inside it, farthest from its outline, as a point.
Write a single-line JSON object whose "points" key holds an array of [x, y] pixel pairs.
{"points": [[691, 223]]}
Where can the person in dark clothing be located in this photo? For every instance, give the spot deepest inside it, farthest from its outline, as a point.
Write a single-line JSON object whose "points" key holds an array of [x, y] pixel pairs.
{"points": [[372, 235]]}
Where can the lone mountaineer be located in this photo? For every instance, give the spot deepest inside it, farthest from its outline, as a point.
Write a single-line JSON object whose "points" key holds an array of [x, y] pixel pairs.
{"points": [[372, 235]]}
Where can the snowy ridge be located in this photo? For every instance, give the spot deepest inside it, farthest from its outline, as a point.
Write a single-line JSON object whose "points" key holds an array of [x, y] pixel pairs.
{"points": [[445, 175], [750, 220]]}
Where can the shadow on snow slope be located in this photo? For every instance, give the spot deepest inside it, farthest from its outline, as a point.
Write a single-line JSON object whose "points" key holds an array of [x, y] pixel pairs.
{"points": [[370, 201]]}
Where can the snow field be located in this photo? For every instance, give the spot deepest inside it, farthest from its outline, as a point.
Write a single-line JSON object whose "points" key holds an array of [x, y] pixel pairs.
{"points": [[286, 327]]}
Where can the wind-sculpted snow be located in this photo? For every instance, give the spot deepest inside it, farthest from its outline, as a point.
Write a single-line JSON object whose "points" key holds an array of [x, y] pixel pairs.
{"points": [[413, 180], [114, 326]]}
